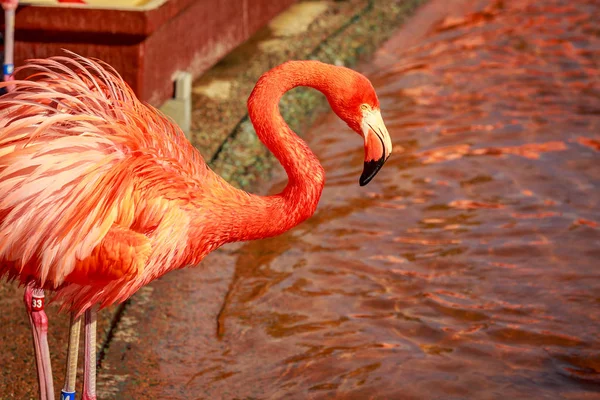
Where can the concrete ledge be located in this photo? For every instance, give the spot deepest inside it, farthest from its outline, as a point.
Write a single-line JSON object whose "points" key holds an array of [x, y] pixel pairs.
{"points": [[179, 108]]}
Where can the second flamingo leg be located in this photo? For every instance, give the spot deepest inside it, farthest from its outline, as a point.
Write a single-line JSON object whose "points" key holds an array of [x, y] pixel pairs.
{"points": [[9, 33], [34, 301], [68, 391], [89, 366]]}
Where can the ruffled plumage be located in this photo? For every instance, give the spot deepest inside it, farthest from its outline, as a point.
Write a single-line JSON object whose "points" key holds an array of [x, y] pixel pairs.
{"points": [[89, 179]]}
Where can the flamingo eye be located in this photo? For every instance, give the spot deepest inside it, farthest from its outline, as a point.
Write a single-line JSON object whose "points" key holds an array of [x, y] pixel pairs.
{"points": [[365, 107]]}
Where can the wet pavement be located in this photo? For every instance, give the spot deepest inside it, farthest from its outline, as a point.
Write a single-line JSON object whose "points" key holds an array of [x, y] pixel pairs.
{"points": [[467, 268]]}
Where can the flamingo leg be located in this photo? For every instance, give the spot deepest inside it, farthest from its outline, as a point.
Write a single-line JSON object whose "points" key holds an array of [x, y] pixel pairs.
{"points": [[68, 391], [34, 301], [9, 39], [89, 368]]}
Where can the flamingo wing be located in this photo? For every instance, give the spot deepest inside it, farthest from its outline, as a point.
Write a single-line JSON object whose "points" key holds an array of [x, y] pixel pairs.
{"points": [[121, 254], [86, 172], [61, 200]]}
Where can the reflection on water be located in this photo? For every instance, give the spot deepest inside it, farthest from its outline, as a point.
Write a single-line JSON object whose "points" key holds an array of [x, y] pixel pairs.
{"points": [[469, 267]]}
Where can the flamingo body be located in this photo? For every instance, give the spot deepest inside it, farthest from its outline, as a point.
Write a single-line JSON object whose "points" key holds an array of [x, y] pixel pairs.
{"points": [[96, 188]]}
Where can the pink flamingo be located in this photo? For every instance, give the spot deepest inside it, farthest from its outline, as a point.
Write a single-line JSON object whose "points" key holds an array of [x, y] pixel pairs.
{"points": [[101, 194]]}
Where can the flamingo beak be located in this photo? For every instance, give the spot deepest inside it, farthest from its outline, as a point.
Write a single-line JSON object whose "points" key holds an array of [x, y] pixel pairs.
{"points": [[378, 145]]}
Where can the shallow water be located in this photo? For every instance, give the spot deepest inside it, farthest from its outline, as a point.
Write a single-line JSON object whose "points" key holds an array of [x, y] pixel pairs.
{"points": [[469, 267]]}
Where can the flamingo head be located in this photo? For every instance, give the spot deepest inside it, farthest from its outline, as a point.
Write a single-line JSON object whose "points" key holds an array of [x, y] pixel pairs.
{"points": [[356, 103]]}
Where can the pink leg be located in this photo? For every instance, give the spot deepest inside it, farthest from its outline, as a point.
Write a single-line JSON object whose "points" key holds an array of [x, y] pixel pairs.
{"points": [[89, 366], [9, 18], [68, 391], [34, 301]]}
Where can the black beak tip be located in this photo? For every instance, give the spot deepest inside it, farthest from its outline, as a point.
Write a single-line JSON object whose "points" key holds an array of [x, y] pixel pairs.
{"points": [[370, 170]]}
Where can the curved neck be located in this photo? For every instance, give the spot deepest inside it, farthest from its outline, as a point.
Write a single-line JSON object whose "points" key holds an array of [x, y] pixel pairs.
{"points": [[256, 217], [263, 109]]}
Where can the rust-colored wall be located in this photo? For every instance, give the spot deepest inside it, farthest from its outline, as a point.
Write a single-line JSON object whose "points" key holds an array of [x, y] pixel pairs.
{"points": [[146, 47]]}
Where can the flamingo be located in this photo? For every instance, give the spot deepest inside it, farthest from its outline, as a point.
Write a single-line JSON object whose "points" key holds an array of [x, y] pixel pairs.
{"points": [[101, 194]]}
